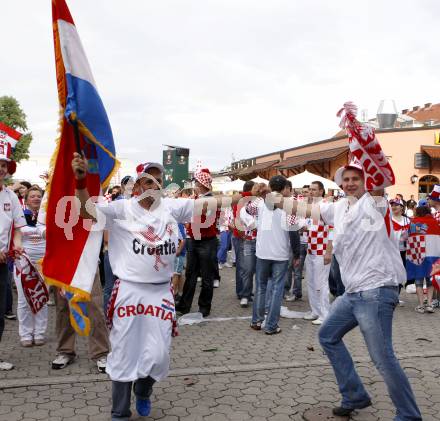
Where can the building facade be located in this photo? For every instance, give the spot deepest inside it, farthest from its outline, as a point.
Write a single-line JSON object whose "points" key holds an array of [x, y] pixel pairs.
{"points": [[412, 146]]}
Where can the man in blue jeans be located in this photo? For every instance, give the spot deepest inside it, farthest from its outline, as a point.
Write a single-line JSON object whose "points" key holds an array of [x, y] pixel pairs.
{"points": [[273, 252], [371, 270]]}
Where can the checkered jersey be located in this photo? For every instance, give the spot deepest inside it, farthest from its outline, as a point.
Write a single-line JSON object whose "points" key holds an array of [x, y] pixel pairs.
{"points": [[416, 249], [437, 216], [318, 236]]}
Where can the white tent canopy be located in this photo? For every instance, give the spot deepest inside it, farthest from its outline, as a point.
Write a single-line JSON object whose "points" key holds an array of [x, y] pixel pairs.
{"points": [[229, 186], [305, 178], [260, 180]]}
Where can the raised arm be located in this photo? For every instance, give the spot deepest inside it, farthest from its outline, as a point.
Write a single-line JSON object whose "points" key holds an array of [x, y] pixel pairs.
{"points": [[79, 166], [294, 207]]}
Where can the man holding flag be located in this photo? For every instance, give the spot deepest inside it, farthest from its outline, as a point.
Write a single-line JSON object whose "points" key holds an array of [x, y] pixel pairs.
{"points": [[72, 250]]}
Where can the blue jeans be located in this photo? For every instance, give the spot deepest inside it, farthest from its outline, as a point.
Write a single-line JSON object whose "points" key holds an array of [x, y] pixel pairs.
{"points": [[335, 281], [238, 247], [225, 241], [275, 270], [109, 281], [248, 264], [4, 273], [372, 311], [298, 271]]}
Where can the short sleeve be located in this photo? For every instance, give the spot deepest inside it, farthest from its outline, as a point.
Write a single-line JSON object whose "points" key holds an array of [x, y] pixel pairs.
{"points": [[327, 211], [17, 213], [107, 212], [182, 209]]}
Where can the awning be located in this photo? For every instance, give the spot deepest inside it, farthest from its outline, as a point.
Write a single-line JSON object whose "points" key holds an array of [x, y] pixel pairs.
{"points": [[432, 151], [312, 158], [257, 167]]}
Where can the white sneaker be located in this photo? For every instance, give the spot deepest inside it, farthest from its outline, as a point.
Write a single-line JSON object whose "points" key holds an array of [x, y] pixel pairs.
{"points": [[101, 363], [220, 266], [61, 361], [5, 366], [227, 265], [244, 302], [317, 322], [310, 316], [216, 283]]}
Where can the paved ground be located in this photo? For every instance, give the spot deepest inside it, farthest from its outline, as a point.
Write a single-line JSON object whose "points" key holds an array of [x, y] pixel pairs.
{"points": [[225, 371]]}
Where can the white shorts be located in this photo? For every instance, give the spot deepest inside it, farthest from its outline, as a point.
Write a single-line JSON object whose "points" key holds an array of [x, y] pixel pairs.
{"points": [[142, 317]]}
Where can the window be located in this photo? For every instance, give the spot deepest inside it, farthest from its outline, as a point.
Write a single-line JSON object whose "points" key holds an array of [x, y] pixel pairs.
{"points": [[426, 184], [421, 160]]}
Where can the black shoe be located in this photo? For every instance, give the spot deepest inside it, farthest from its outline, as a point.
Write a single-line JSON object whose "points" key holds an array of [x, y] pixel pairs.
{"points": [[340, 411], [10, 316]]}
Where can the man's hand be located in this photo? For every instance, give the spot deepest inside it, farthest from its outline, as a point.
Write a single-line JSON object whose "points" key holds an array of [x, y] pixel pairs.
{"points": [[2, 257], [296, 262], [79, 166], [327, 259]]}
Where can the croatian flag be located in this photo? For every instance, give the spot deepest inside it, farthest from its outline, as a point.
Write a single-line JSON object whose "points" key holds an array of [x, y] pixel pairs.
{"points": [[72, 249], [423, 247], [8, 134]]}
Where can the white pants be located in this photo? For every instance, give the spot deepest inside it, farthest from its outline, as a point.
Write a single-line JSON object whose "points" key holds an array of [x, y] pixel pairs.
{"points": [[317, 285], [30, 326], [141, 333]]}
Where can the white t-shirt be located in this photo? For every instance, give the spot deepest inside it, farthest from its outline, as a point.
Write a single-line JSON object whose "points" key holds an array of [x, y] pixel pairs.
{"points": [[272, 231], [363, 244], [142, 244], [11, 212], [33, 242]]}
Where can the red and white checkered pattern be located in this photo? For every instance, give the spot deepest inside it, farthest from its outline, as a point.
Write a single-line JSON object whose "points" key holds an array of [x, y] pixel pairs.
{"points": [[416, 249], [204, 177], [317, 239]]}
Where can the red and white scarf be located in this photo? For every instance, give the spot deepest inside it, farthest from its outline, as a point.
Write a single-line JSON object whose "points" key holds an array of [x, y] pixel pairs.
{"points": [[33, 285]]}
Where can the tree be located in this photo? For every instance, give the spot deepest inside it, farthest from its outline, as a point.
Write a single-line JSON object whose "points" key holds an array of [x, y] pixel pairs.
{"points": [[12, 115]]}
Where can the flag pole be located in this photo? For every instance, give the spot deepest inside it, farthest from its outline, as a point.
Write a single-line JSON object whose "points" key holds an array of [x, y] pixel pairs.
{"points": [[74, 122]]}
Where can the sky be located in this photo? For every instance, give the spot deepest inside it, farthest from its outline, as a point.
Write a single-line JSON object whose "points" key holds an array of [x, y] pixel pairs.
{"points": [[229, 79]]}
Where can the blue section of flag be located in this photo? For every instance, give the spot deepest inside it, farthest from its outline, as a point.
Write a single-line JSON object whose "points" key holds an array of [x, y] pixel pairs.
{"points": [[78, 314], [420, 271], [84, 100]]}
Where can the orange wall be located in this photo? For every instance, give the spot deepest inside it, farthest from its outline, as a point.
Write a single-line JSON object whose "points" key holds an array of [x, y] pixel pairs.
{"points": [[400, 146]]}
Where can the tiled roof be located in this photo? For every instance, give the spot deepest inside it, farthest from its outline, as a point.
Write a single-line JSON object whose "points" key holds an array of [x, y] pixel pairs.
{"points": [[432, 151], [312, 158], [425, 113], [257, 167]]}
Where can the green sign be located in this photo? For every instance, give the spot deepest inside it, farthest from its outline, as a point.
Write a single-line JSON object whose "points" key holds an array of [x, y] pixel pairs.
{"points": [[175, 162]]}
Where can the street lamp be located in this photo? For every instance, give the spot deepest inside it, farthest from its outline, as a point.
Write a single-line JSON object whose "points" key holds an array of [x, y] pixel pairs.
{"points": [[414, 179]]}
